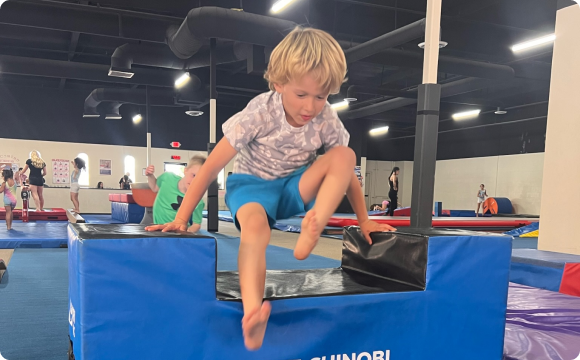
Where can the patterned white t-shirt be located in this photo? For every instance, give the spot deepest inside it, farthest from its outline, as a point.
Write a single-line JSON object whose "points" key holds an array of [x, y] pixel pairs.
{"points": [[270, 148]]}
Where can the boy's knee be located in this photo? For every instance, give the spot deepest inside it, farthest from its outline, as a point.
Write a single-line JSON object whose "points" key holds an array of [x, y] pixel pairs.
{"points": [[255, 223], [345, 154]]}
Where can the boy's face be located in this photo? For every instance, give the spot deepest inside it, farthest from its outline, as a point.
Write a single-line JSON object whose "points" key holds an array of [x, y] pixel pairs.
{"points": [[189, 174], [303, 99]]}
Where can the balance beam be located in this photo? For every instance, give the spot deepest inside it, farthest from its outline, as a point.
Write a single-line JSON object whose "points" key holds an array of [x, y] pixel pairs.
{"points": [[74, 217]]}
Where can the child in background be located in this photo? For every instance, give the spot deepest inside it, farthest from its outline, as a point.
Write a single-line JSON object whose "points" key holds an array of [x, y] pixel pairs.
{"points": [[276, 174], [78, 165], [171, 190], [481, 195], [8, 187]]}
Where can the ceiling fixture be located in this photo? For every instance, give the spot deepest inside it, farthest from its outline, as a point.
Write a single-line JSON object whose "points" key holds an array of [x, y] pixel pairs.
{"points": [[535, 42], [466, 114], [2, 2], [442, 44], [91, 115], [137, 119], [119, 73], [499, 111], [113, 117], [280, 5], [379, 131], [183, 79], [194, 112], [352, 99], [340, 105]]}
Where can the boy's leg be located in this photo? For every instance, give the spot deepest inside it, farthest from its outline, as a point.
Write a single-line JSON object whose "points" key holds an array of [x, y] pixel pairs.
{"points": [[255, 237], [326, 180]]}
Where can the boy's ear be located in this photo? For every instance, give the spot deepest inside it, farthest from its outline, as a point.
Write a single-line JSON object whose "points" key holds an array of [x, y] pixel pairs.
{"points": [[279, 88]]}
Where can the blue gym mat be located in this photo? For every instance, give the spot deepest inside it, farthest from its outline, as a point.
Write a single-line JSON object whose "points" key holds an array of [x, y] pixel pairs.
{"points": [[34, 295], [100, 219], [34, 235]]}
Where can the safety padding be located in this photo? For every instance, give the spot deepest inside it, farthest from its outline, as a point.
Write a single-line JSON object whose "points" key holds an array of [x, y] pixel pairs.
{"points": [[546, 270], [55, 214], [127, 213], [124, 198], [405, 211], [431, 295]]}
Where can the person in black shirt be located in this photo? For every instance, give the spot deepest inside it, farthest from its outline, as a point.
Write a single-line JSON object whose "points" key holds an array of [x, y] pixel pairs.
{"points": [[394, 191], [37, 168], [125, 183]]}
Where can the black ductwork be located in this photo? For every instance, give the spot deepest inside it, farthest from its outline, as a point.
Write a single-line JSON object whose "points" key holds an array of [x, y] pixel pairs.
{"points": [[354, 90], [450, 89], [392, 39], [138, 97], [213, 22], [128, 54]]}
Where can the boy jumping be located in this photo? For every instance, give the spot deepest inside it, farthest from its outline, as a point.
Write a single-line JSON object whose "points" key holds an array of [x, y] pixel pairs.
{"points": [[276, 174]]}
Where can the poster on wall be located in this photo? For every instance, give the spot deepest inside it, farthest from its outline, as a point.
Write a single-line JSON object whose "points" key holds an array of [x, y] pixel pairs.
{"points": [[105, 167], [10, 161], [60, 171]]}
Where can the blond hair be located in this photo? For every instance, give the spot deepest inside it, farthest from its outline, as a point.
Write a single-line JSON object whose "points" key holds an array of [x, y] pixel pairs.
{"points": [[36, 159], [196, 160], [307, 50]]}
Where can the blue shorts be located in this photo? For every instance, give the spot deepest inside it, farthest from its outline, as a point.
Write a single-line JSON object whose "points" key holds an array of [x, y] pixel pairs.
{"points": [[280, 197]]}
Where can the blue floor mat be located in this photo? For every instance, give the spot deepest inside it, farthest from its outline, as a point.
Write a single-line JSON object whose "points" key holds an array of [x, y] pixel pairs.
{"points": [[525, 243], [34, 235], [34, 296]]}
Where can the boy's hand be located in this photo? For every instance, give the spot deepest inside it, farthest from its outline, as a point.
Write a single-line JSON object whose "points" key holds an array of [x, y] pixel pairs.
{"points": [[370, 226], [172, 226], [150, 170]]}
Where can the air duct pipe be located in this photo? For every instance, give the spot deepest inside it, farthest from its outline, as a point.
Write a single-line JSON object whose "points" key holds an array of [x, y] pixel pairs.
{"points": [[450, 89], [128, 54], [214, 22]]}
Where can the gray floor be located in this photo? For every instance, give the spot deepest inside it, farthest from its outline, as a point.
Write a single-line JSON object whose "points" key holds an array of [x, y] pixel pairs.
{"points": [[331, 248]]}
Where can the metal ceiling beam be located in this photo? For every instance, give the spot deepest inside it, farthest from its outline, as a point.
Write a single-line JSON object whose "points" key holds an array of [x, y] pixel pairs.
{"points": [[86, 19]]}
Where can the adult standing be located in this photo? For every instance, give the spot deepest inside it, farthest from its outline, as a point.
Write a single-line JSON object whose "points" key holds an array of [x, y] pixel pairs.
{"points": [[125, 182], [394, 191], [37, 168]]}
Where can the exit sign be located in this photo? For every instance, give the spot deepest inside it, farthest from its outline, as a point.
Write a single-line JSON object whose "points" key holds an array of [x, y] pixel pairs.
{"points": [[175, 157], [175, 144]]}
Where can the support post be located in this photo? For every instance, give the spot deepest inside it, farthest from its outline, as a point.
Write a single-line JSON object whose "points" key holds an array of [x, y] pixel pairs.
{"points": [[147, 114], [212, 193], [429, 96]]}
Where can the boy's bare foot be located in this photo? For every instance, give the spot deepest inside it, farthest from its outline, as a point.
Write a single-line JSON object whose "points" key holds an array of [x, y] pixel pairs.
{"points": [[254, 326], [308, 236]]}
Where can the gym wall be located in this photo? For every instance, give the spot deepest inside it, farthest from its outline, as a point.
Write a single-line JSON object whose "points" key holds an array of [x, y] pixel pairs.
{"points": [[517, 177]]}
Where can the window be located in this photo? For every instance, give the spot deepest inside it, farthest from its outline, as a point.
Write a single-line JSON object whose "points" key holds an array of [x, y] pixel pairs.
{"points": [[221, 180], [130, 167], [176, 168], [84, 177]]}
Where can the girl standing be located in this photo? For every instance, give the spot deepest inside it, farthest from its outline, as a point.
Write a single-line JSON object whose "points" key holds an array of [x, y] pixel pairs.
{"points": [[393, 193], [481, 195], [78, 164], [8, 187], [37, 168]]}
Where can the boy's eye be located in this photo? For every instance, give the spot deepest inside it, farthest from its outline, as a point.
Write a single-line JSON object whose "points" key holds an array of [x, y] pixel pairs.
{"points": [[301, 95], [320, 98]]}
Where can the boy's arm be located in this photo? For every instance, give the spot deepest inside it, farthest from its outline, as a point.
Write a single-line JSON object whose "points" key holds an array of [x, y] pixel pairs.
{"points": [[357, 201], [216, 161], [151, 179], [196, 218]]}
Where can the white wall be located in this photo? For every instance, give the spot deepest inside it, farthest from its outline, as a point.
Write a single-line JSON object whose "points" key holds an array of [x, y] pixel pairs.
{"points": [[91, 200], [560, 195], [517, 177]]}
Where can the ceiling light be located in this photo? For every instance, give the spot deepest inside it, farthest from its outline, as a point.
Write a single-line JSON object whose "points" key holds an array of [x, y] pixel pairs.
{"points": [[119, 73], [352, 99], [533, 43], [91, 115], [442, 44], [137, 119], [194, 112], [466, 114], [280, 5], [113, 117], [183, 79], [2, 2], [340, 105], [499, 111], [379, 131]]}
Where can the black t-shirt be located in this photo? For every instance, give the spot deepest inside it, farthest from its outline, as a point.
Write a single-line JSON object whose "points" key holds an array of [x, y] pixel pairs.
{"points": [[126, 184], [34, 171]]}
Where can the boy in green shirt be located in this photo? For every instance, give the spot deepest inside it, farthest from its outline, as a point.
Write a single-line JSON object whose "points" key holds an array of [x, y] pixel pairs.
{"points": [[171, 190]]}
